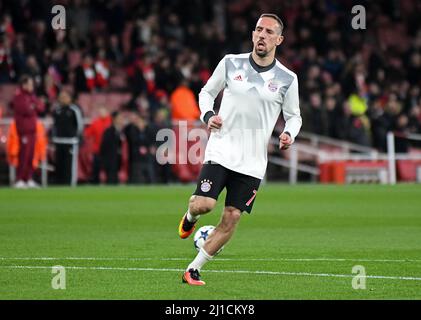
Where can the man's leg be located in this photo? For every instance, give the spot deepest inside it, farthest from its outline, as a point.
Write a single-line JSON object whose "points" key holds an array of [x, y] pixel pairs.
{"points": [[112, 176], [219, 237], [198, 205], [60, 163], [27, 157], [20, 172], [96, 169], [223, 231], [211, 181], [68, 161], [241, 193]]}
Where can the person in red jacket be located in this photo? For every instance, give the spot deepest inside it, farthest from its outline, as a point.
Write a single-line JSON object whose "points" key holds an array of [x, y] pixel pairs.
{"points": [[26, 107], [94, 133]]}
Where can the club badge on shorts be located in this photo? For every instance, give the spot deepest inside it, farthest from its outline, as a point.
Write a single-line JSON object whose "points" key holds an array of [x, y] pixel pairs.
{"points": [[205, 185]]}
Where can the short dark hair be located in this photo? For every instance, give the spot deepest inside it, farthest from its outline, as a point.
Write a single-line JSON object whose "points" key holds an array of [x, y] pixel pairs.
{"points": [[274, 16], [114, 114], [24, 79]]}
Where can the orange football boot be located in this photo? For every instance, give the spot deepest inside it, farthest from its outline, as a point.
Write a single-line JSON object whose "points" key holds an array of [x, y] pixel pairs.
{"points": [[192, 277], [185, 228]]}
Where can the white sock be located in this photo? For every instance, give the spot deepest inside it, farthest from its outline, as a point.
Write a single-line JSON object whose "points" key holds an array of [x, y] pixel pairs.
{"points": [[201, 258], [191, 217]]}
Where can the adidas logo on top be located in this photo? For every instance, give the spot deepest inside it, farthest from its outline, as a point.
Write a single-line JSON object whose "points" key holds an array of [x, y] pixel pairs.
{"points": [[238, 78]]}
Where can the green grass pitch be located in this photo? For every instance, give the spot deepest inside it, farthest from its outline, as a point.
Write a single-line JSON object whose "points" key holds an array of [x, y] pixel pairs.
{"points": [[300, 242]]}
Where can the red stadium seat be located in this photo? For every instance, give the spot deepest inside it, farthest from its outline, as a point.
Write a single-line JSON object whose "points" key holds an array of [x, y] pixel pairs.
{"points": [[89, 102], [407, 170]]}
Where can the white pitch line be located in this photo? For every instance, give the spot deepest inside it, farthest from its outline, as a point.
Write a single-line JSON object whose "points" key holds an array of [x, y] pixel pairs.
{"points": [[280, 273], [216, 259]]}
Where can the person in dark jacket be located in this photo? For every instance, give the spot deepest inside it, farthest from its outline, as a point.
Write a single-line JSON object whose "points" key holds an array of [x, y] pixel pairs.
{"points": [[110, 151], [139, 139], [26, 107], [68, 123], [85, 75]]}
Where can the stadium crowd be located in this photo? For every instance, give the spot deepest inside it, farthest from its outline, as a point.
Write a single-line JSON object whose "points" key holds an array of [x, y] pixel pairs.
{"points": [[354, 84]]}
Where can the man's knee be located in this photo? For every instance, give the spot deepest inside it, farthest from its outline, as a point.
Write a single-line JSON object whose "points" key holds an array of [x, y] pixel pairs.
{"points": [[200, 205], [230, 218]]}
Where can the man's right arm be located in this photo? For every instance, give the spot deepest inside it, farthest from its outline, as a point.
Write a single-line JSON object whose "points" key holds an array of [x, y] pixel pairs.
{"points": [[210, 91]]}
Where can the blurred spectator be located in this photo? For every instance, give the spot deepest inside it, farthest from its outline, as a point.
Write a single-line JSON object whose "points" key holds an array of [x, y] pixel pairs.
{"points": [[164, 75], [138, 81], [139, 139], [183, 103], [94, 133], [37, 42], [333, 117], [315, 116], [79, 18], [144, 47], [115, 52], [68, 123], [110, 150], [401, 130], [382, 122], [102, 70], [161, 120], [85, 75], [26, 106], [7, 72], [33, 69], [50, 89]]}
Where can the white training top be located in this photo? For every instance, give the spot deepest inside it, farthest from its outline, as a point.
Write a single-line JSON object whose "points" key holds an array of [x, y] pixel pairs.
{"points": [[252, 101]]}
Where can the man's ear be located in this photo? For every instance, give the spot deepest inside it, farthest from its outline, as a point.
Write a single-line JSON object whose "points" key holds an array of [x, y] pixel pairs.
{"points": [[280, 40]]}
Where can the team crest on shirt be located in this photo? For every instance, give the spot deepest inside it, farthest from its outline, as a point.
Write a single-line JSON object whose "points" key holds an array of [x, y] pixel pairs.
{"points": [[273, 86], [205, 185]]}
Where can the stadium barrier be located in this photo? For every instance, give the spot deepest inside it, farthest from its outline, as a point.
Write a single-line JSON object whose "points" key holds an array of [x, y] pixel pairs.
{"points": [[327, 160], [340, 162], [44, 167]]}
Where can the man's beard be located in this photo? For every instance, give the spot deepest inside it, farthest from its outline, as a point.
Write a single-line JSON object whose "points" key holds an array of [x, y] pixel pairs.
{"points": [[261, 54]]}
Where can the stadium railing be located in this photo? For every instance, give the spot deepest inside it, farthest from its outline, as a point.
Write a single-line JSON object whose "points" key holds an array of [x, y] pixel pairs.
{"points": [[325, 159], [342, 162]]}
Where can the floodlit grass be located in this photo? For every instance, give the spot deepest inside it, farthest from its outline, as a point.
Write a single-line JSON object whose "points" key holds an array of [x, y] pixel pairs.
{"points": [[300, 242]]}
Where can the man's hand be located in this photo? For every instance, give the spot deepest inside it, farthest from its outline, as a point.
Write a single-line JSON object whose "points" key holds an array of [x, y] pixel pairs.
{"points": [[215, 122], [285, 141]]}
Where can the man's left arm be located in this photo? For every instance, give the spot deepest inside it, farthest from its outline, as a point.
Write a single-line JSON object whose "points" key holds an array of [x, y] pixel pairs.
{"points": [[79, 119], [39, 103], [292, 116]]}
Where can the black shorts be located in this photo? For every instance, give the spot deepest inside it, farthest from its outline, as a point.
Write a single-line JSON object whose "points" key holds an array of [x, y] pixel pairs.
{"points": [[241, 188]]}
